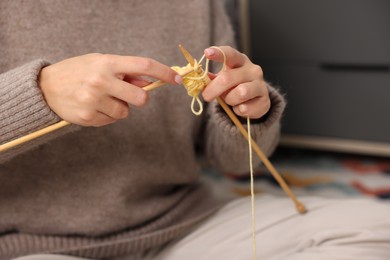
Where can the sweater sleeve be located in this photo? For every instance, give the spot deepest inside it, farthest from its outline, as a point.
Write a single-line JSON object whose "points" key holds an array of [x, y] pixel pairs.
{"points": [[23, 109], [227, 149]]}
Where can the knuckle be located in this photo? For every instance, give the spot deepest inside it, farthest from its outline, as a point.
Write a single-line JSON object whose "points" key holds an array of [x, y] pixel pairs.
{"points": [[257, 71], [242, 92], [237, 55], [145, 64], [95, 80], [86, 97], [106, 60], [228, 48], [87, 116], [234, 52], [225, 79]]}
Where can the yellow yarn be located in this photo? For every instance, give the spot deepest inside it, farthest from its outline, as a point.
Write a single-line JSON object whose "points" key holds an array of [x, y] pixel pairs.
{"points": [[252, 189], [194, 82]]}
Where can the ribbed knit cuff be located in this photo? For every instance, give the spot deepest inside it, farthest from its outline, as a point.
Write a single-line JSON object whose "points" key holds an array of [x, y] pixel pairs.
{"points": [[226, 136], [22, 106]]}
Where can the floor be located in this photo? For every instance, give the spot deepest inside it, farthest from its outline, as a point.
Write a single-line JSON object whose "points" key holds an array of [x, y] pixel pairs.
{"points": [[315, 173]]}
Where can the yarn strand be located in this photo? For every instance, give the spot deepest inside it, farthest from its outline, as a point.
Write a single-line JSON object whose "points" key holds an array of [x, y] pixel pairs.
{"points": [[254, 246], [194, 83]]}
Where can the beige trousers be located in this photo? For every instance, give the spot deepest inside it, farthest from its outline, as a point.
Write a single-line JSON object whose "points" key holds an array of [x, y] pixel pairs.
{"points": [[333, 229]]}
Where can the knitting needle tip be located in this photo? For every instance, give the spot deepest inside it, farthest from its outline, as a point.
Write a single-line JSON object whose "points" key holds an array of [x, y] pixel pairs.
{"points": [[300, 207], [187, 55]]}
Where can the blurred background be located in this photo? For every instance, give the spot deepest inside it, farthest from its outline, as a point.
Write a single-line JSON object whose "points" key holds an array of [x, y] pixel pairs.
{"points": [[331, 60]]}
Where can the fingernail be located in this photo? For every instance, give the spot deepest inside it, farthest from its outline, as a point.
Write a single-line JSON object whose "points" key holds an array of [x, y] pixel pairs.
{"points": [[209, 51], [243, 109], [178, 79], [205, 96], [142, 97]]}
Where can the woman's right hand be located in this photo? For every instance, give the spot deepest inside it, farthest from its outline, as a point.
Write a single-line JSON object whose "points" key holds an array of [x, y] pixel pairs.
{"points": [[96, 89]]}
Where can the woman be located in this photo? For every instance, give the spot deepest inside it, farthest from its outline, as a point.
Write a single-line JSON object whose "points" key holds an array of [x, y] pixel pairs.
{"points": [[129, 186]]}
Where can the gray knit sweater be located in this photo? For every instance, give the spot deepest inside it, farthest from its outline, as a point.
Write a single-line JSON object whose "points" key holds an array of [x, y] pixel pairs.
{"points": [[126, 187]]}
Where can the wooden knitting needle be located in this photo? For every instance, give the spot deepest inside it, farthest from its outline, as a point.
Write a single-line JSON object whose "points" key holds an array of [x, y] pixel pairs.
{"points": [[64, 123], [299, 206]]}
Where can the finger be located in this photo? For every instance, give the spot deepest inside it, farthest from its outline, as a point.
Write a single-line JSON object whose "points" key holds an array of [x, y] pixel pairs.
{"points": [[138, 81], [211, 75], [102, 120], [94, 118], [129, 65], [234, 58], [244, 92], [127, 92], [254, 108], [224, 81], [113, 107]]}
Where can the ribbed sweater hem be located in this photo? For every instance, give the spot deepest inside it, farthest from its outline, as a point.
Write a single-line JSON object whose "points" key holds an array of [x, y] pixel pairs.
{"points": [[198, 206]]}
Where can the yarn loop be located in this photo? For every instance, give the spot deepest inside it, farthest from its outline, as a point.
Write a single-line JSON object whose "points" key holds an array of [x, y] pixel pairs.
{"points": [[195, 82]]}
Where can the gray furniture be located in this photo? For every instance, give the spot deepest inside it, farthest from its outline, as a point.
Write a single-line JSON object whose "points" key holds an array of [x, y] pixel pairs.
{"points": [[332, 59]]}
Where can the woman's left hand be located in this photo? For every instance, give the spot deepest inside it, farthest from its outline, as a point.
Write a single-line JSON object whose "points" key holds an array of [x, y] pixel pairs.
{"points": [[241, 85]]}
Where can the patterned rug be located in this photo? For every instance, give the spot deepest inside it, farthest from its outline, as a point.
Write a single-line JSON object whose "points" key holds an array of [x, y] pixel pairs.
{"points": [[314, 173]]}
